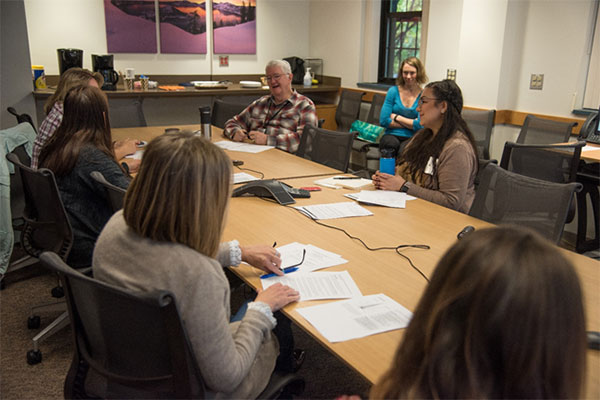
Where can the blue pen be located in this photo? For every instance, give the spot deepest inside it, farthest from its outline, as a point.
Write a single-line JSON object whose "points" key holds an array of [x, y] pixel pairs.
{"points": [[285, 271]]}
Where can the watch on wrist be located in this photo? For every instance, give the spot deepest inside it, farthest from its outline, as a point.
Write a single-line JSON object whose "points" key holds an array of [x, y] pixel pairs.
{"points": [[404, 188], [396, 118]]}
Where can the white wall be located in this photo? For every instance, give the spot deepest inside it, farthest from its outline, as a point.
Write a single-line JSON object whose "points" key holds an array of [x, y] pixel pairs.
{"points": [[282, 31], [443, 35]]}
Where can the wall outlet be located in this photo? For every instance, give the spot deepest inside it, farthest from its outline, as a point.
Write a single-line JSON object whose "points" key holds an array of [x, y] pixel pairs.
{"points": [[223, 61], [536, 82], [451, 74]]}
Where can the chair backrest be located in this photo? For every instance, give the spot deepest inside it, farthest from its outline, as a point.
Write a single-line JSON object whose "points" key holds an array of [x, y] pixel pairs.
{"points": [[132, 342], [549, 162], [17, 197], [127, 115], [481, 123], [348, 109], [21, 117], [223, 111], [47, 227], [326, 147], [375, 110], [504, 197], [536, 130], [114, 193]]}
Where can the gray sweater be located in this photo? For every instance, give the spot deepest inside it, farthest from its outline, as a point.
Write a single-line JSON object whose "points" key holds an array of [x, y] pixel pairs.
{"points": [[236, 360]]}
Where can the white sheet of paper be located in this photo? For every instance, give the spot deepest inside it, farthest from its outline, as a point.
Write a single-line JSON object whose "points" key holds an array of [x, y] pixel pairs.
{"points": [[334, 183], [357, 317], [318, 285], [385, 198], [137, 155], [588, 147], [334, 210], [315, 259], [241, 177], [242, 147]]}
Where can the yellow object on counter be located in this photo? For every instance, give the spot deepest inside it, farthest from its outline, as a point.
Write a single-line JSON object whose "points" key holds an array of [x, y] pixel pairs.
{"points": [[39, 77]]}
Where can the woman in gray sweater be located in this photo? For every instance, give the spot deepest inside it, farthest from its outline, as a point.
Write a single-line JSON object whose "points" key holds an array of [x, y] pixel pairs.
{"points": [[167, 237]]}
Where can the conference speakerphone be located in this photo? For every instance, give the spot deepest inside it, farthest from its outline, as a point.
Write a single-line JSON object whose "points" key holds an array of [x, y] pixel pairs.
{"points": [[270, 188]]}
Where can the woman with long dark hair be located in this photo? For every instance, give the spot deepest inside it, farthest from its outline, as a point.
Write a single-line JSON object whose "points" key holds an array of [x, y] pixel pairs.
{"points": [[439, 163]]}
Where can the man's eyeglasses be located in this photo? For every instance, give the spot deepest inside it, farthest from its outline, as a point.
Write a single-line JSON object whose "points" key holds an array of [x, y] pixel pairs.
{"points": [[275, 77], [425, 100]]}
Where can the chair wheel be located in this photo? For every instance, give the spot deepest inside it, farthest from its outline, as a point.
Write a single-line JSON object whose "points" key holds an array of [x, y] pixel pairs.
{"points": [[58, 292], [2, 284], [34, 357], [33, 322]]}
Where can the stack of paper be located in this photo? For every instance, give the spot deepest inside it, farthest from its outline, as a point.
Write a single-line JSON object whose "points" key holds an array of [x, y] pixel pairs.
{"points": [[334, 210], [315, 258], [356, 318], [242, 177], [337, 182], [243, 147], [385, 198], [318, 285]]}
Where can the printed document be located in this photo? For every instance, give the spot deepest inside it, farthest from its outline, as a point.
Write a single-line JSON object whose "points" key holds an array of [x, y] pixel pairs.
{"points": [[315, 258], [318, 285], [334, 210], [357, 317], [387, 198], [339, 181], [242, 177], [242, 147]]}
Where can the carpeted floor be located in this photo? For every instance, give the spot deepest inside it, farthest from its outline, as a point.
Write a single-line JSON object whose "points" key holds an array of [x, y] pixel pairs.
{"points": [[325, 375]]}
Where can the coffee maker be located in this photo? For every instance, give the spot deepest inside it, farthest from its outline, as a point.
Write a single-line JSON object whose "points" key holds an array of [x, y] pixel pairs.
{"points": [[104, 65], [69, 58]]}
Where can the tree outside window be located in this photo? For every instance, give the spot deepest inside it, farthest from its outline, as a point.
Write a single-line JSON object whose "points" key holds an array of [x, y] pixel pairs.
{"points": [[400, 37]]}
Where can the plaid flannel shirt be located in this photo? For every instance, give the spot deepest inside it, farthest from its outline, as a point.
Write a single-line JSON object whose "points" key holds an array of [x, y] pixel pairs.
{"points": [[46, 131], [283, 123]]}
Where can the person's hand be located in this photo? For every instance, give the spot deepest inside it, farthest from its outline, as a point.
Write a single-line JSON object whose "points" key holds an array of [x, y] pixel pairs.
{"points": [[132, 164], [125, 147], [258, 137], [263, 257], [385, 181], [278, 296], [239, 136]]}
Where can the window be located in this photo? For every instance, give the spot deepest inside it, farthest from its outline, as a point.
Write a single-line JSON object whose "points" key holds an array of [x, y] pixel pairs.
{"points": [[400, 37]]}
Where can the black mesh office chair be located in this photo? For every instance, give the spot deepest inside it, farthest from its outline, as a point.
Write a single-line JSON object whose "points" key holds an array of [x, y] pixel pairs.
{"points": [[326, 147], [504, 197], [21, 117], [223, 111], [375, 110], [369, 152], [133, 344], [114, 193], [47, 228], [481, 123], [536, 130], [348, 109], [127, 115]]}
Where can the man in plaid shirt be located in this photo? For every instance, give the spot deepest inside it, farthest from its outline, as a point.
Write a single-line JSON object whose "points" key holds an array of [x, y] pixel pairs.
{"points": [[277, 119]]}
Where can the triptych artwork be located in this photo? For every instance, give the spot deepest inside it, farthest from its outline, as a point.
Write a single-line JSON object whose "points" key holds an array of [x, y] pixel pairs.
{"points": [[131, 26]]}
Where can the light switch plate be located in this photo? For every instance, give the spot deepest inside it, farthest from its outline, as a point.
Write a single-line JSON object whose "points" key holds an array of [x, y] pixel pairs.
{"points": [[536, 82], [451, 74]]}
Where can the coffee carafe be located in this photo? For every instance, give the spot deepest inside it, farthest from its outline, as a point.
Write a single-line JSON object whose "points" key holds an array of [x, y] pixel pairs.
{"points": [[104, 65], [69, 58]]}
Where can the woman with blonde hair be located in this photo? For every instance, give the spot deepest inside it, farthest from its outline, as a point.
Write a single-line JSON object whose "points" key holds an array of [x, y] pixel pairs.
{"points": [[167, 237], [501, 318], [54, 110], [399, 113]]}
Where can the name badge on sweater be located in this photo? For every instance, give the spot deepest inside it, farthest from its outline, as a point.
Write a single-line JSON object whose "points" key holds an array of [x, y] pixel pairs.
{"points": [[429, 167]]}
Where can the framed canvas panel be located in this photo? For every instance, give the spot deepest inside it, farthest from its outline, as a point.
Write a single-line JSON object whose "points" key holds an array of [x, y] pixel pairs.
{"points": [[234, 26], [130, 26], [182, 26]]}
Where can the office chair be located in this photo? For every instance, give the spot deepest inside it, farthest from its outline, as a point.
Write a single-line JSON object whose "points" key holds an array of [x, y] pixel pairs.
{"points": [[370, 151], [114, 194], [127, 115], [326, 147], [47, 228], [133, 344], [504, 197], [21, 117], [481, 123], [348, 109], [223, 111], [536, 130]]}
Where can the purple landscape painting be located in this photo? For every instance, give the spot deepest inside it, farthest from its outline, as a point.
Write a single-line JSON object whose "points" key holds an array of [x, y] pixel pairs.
{"points": [[234, 26], [130, 26], [182, 26]]}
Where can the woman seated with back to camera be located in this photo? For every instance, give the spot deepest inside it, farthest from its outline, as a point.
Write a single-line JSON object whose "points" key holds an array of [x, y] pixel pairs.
{"points": [[439, 163], [502, 318], [167, 237], [54, 109]]}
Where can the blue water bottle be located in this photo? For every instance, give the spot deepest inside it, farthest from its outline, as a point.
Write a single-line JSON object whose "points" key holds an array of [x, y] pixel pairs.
{"points": [[387, 162]]}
